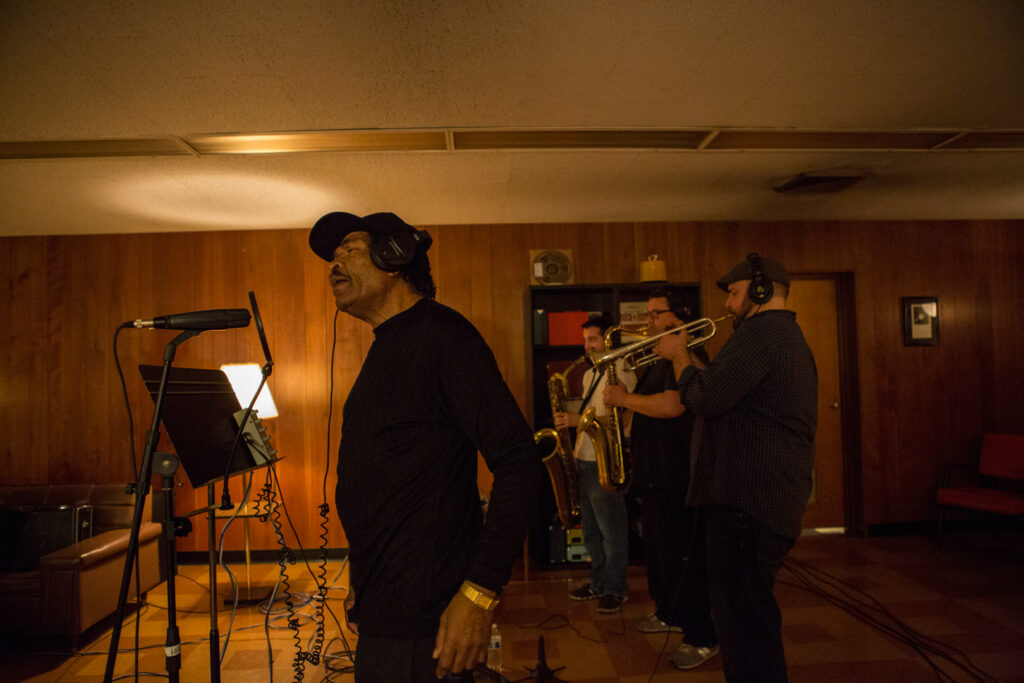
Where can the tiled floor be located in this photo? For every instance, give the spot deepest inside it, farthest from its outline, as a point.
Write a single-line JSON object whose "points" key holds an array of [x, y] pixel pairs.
{"points": [[970, 597]]}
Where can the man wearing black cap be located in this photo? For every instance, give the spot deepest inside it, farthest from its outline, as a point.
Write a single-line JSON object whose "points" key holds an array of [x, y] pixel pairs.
{"points": [[426, 571], [752, 473]]}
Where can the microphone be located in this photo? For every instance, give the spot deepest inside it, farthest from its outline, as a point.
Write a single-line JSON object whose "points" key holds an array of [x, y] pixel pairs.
{"points": [[218, 319]]}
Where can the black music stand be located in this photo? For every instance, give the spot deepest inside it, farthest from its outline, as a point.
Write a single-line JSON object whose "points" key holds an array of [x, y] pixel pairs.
{"points": [[201, 413]]}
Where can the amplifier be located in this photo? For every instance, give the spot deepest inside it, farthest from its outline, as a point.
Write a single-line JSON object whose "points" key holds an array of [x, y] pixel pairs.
{"points": [[37, 530]]}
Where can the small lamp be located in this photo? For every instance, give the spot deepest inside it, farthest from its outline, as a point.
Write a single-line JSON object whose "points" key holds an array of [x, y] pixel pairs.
{"points": [[245, 379]]}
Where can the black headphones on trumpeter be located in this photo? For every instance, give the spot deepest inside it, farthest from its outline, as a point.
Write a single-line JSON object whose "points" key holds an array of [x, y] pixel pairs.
{"points": [[392, 252], [761, 289]]}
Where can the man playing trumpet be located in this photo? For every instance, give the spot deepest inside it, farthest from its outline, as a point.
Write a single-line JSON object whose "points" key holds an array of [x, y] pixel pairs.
{"points": [[752, 474]]}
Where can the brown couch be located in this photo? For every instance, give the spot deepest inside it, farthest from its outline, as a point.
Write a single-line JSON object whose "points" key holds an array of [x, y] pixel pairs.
{"points": [[66, 590]]}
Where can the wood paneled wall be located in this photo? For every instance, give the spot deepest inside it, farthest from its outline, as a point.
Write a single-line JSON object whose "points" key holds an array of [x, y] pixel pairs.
{"points": [[62, 418]]}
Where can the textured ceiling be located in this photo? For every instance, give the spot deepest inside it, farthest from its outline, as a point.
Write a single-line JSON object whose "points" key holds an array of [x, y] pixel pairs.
{"points": [[170, 73]]}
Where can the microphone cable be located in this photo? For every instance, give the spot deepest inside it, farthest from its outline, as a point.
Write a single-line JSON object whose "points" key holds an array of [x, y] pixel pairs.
{"points": [[135, 478], [324, 509], [224, 565]]}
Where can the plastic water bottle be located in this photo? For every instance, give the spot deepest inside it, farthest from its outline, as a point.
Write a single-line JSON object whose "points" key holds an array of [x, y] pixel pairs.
{"points": [[494, 649]]}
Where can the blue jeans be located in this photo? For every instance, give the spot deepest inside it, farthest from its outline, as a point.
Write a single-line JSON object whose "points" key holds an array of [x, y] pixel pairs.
{"points": [[605, 533], [743, 557]]}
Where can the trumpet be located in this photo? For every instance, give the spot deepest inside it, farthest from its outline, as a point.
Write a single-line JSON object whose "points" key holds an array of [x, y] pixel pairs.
{"points": [[641, 354]]}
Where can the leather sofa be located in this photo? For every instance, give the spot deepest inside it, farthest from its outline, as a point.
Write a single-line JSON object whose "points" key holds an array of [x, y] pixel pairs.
{"points": [[66, 590]]}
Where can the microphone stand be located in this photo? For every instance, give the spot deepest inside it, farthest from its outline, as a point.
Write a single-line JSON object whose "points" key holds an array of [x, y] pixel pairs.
{"points": [[172, 648], [211, 518]]}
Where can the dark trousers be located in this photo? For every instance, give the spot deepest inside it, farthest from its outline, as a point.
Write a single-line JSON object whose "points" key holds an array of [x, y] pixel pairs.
{"points": [[393, 660], [694, 600], [667, 533], [743, 557]]}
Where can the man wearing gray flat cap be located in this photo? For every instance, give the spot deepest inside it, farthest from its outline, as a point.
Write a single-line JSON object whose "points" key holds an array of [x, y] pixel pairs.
{"points": [[426, 569], [753, 451]]}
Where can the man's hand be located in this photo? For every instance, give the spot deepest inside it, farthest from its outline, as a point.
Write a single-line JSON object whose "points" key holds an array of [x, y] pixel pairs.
{"points": [[566, 420], [462, 637], [673, 347], [615, 395]]}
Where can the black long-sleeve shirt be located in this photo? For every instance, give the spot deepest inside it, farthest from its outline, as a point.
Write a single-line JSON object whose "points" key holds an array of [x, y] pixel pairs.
{"points": [[429, 395], [759, 403]]}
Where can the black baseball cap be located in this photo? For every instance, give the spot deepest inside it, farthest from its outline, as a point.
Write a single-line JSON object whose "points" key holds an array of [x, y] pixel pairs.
{"points": [[744, 270], [331, 229]]}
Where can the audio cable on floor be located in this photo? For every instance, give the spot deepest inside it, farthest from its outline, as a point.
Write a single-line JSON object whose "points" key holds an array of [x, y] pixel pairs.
{"points": [[870, 611]]}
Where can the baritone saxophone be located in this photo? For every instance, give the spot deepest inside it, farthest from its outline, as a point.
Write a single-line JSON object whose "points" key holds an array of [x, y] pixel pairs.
{"points": [[605, 431], [560, 461]]}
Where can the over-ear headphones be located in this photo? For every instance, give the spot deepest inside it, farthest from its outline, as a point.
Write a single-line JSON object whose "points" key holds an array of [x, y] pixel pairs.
{"points": [[761, 289], [392, 252]]}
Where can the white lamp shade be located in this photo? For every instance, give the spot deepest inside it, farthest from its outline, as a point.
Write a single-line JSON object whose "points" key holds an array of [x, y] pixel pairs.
{"points": [[245, 379]]}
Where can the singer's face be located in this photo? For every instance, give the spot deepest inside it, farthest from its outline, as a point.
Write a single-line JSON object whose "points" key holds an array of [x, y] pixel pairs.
{"points": [[359, 286]]}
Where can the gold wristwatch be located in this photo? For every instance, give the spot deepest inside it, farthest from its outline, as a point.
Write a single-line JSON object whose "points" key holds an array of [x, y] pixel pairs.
{"points": [[478, 597]]}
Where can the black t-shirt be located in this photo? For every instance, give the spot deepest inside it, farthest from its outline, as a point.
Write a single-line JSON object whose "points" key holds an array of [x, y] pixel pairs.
{"points": [[660, 446], [429, 395]]}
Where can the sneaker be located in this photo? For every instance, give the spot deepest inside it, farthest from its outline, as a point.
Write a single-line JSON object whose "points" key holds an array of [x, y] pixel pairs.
{"points": [[584, 592], [690, 657], [652, 624], [611, 603]]}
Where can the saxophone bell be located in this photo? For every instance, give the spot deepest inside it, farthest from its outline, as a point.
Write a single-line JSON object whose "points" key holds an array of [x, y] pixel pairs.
{"points": [[560, 461]]}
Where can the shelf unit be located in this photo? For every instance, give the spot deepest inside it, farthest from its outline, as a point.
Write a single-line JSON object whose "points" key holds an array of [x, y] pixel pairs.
{"points": [[609, 300]]}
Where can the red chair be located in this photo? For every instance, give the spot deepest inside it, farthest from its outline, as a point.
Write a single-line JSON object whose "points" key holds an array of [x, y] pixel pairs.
{"points": [[1000, 466]]}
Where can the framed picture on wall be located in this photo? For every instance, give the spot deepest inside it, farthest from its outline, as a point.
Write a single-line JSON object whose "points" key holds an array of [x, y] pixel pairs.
{"points": [[920, 320]]}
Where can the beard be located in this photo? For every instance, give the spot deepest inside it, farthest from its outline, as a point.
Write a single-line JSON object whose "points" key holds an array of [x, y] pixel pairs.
{"points": [[741, 314]]}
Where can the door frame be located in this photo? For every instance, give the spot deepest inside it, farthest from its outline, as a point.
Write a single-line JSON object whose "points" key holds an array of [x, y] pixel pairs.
{"points": [[849, 396]]}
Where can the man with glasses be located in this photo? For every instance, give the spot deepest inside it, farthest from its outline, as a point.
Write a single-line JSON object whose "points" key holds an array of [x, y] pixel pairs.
{"points": [[660, 443]]}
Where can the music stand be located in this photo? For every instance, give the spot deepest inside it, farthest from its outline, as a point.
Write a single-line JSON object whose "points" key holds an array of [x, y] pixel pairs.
{"points": [[200, 414]]}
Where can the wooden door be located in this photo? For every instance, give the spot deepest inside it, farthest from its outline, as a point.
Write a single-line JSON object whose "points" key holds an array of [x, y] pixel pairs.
{"points": [[814, 302]]}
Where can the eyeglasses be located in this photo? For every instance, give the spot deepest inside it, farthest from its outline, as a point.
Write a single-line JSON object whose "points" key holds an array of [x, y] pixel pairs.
{"points": [[655, 313]]}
